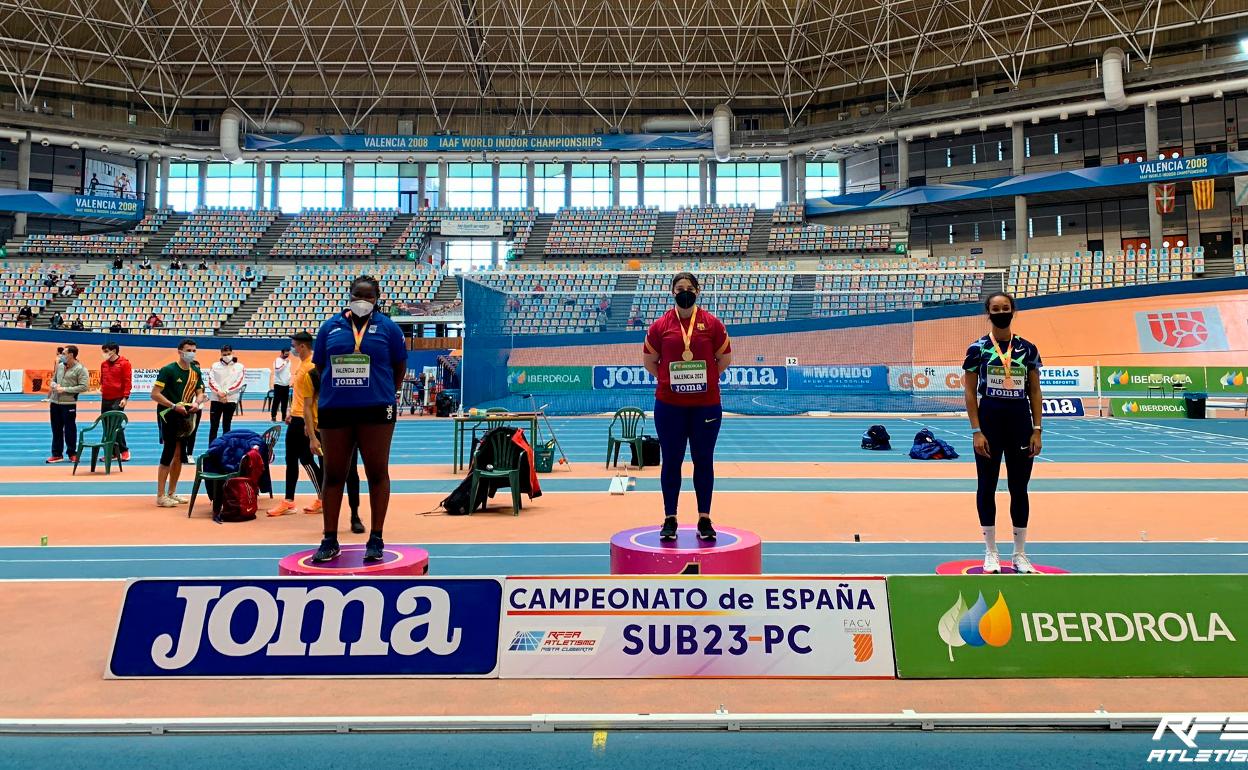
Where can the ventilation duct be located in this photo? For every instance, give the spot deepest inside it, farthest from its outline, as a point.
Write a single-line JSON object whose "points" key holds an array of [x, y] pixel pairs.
{"points": [[721, 132], [233, 123], [1111, 77]]}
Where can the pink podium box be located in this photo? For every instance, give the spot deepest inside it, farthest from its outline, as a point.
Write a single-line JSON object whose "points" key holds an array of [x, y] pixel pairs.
{"points": [[640, 552], [397, 560], [976, 567]]}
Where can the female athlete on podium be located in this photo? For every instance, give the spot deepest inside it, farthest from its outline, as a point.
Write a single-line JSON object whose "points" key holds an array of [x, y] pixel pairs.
{"points": [[1003, 401], [687, 349]]}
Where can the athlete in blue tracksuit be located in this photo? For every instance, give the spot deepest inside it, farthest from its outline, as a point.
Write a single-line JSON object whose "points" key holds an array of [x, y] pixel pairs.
{"points": [[362, 357], [1003, 401]]}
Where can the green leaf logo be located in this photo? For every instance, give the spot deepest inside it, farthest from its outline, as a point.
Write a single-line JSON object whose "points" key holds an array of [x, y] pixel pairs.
{"points": [[948, 626]]}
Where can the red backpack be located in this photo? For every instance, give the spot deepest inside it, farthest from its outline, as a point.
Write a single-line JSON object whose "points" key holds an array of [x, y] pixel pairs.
{"points": [[242, 493]]}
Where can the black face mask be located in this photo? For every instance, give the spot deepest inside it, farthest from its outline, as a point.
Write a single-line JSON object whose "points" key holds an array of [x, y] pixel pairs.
{"points": [[686, 299], [1001, 320]]}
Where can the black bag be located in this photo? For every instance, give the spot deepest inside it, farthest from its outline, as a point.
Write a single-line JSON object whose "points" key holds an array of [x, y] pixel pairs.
{"points": [[444, 405], [650, 452], [876, 438], [456, 503]]}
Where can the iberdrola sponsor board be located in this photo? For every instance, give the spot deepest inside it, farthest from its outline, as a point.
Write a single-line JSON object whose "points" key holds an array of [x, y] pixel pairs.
{"points": [[1069, 626], [1147, 408]]}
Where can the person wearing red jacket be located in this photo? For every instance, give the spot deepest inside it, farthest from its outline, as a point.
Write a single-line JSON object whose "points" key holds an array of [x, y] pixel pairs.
{"points": [[116, 379]]}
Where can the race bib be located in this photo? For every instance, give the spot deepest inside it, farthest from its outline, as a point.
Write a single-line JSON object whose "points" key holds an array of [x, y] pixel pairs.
{"points": [[688, 376], [996, 384], [350, 371]]}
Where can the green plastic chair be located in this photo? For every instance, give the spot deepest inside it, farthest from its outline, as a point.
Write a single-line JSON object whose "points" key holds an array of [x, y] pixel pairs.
{"points": [[202, 476], [1178, 383], [506, 456], [110, 425], [631, 422], [489, 425], [1156, 383]]}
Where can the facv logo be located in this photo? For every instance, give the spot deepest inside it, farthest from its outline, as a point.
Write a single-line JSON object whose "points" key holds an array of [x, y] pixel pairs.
{"points": [[976, 626]]}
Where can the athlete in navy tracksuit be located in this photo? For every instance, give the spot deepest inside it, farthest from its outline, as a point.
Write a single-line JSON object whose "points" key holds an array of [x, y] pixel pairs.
{"points": [[686, 349], [362, 357], [1003, 401]]}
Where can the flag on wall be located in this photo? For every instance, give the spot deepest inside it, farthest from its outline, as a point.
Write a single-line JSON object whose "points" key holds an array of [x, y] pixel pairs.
{"points": [[1164, 198], [1202, 192]]}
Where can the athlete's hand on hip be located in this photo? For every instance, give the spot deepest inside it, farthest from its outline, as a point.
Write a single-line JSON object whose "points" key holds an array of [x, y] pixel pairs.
{"points": [[981, 444], [1035, 444]]}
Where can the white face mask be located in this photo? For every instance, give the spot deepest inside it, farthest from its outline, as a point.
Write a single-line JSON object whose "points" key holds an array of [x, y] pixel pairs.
{"points": [[360, 307], [188, 356], [227, 359]]}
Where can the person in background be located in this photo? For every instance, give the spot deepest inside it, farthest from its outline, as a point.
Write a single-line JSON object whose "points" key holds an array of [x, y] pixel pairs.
{"points": [[58, 320], [248, 274], [50, 280], [154, 321], [175, 263], [25, 316], [184, 381], [93, 185], [203, 263], [117, 263], [225, 379], [117, 328], [297, 450], [68, 381], [283, 372], [146, 264], [68, 289], [116, 382], [77, 325]]}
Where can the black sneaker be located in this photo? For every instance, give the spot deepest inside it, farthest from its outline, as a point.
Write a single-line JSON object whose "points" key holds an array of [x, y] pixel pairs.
{"points": [[668, 533], [374, 550], [328, 551], [357, 526], [705, 530]]}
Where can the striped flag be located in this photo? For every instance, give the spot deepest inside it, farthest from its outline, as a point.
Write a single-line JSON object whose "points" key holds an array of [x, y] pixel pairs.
{"points": [[1164, 198], [1202, 193]]}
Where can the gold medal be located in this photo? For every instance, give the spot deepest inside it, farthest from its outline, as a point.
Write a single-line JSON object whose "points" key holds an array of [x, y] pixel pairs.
{"points": [[687, 334], [687, 355]]}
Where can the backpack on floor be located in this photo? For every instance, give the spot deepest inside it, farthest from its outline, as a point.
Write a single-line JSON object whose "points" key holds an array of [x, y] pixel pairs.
{"points": [[650, 452], [241, 497], [928, 447], [876, 438]]}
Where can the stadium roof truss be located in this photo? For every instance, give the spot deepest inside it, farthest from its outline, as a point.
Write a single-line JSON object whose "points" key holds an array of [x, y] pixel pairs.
{"points": [[536, 58]]}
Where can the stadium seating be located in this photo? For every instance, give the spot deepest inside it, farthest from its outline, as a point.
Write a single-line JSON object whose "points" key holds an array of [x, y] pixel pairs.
{"points": [[153, 221], [21, 284], [607, 232], [1035, 274], [321, 233], [304, 299], [84, 245], [713, 230], [788, 239], [788, 214], [859, 286], [188, 301], [220, 233], [517, 224], [732, 297], [545, 303]]}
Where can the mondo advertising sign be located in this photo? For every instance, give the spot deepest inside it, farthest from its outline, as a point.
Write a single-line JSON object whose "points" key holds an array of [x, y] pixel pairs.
{"points": [[622, 627], [294, 627], [839, 378], [735, 378], [1147, 407], [1069, 626]]}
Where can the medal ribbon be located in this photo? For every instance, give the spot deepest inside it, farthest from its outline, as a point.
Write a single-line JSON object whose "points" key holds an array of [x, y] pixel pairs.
{"points": [[687, 334], [1009, 374], [359, 336]]}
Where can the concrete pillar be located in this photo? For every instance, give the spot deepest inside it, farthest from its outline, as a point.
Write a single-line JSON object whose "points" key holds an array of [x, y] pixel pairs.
{"points": [[23, 181], [903, 163], [529, 193], [164, 183], [494, 198], [567, 185], [705, 191], [1018, 157], [422, 188], [797, 180], [1152, 148], [203, 184], [259, 185], [149, 184], [275, 183], [348, 185], [615, 182]]}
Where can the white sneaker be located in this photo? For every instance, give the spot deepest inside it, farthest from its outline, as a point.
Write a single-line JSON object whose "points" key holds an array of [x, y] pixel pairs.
{"points": [[164, 501], [179, 499], [992, 563], [1023, 566]]}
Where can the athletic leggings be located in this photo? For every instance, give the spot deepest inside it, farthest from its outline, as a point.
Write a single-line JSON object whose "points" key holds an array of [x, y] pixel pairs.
{"points": [[696, 427], [299, 452], [1006, 424]]}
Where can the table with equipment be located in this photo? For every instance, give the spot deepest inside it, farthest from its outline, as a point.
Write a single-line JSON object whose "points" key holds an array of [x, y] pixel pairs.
{"points": [[491, 420]]}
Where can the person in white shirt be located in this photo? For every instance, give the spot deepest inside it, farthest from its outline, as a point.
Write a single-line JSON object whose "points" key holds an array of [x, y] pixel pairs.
{"points": [[225, 381], [281, 384]]}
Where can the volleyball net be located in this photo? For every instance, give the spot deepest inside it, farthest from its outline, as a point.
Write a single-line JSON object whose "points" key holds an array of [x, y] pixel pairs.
{"points": [[573, 345]]}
